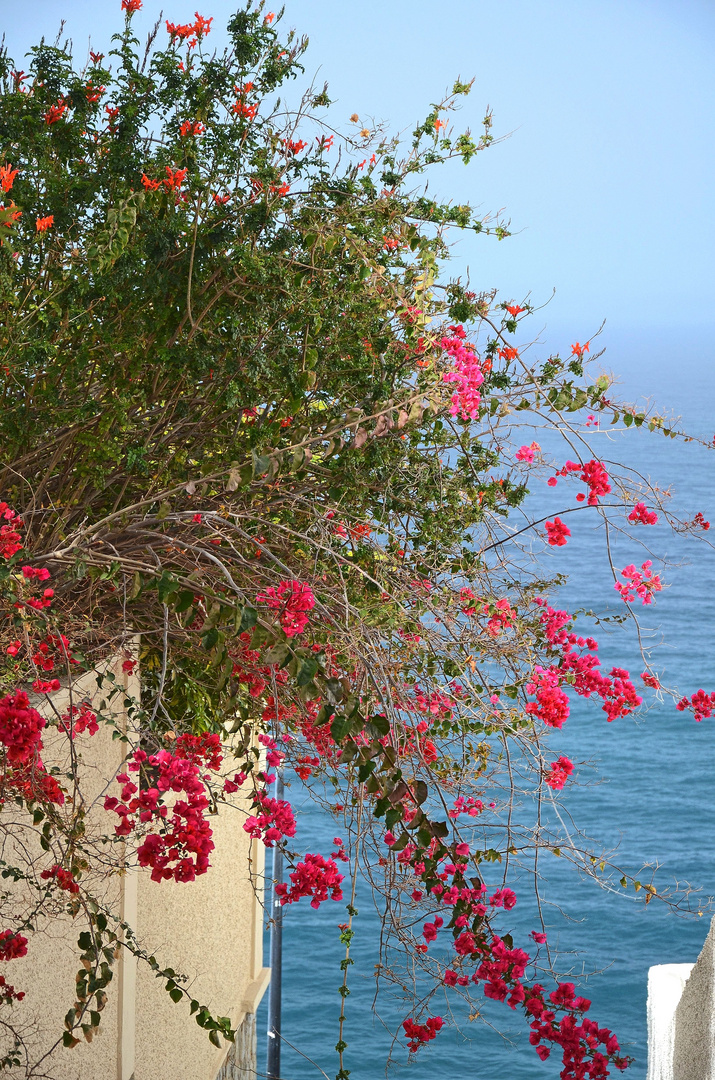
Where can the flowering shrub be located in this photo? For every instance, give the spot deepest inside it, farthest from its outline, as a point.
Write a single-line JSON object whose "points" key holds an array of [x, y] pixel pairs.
{"points": [[262, 442]]}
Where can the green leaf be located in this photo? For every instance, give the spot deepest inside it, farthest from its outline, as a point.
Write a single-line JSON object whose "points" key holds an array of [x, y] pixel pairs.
{"points": [[307, 670], [279, 654], [340, 728], [401, 842], [184, 601], [249, 618], [261, 464], [333, 691], [420, 791], [176, 994], [365, 769], [166, 586]]}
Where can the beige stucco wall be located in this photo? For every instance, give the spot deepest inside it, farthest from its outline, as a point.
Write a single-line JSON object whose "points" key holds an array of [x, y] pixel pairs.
{"points": [[209, 930]]}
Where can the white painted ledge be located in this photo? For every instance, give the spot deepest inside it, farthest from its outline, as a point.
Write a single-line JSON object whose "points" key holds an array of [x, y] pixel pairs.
{"points": [[665, 988]]}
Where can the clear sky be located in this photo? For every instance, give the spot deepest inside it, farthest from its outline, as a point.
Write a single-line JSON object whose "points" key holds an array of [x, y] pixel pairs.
{"points": [[607, 175]]}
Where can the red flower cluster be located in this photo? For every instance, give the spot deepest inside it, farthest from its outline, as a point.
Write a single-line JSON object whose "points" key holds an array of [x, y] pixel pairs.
{"points": [[294, 147], [8, 993], [592, 473], [189, 32], [131, 5], [292, 599], [505, 898], [7, 176], [437, 704], [45, 686], [315, 877], [31, 783], [204, 748], [181, 846], [174, 180], [12, 945], [305, 764], [702, 704], [640, 514], [466, 597], [273, 821], [20, 728], [526, 453], [502, 617], [578, 1041], [579, 670], [419, 1034], [559, 772], [10, 539], [93, 93], [467, 375], [79, 719], [55, 112], [552, 704], [470, 806], [64, 878], [189, 127], [242, 108], [32, 574], [52, 649], [642, 583], [556, 532]]}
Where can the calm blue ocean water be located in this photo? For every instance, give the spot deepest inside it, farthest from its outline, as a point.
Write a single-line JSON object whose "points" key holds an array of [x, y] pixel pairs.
{"points": [[645, 786]]}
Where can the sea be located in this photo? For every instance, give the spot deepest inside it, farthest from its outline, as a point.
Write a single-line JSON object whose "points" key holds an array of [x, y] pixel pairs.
{"points": [[644, 789]]}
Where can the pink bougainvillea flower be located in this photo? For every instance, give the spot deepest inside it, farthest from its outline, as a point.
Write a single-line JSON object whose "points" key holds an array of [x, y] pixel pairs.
{"points": [[556, 532]]}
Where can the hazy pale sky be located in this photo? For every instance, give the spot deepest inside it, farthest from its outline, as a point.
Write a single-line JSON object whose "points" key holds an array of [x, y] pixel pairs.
{"points": [[607, 175]]}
